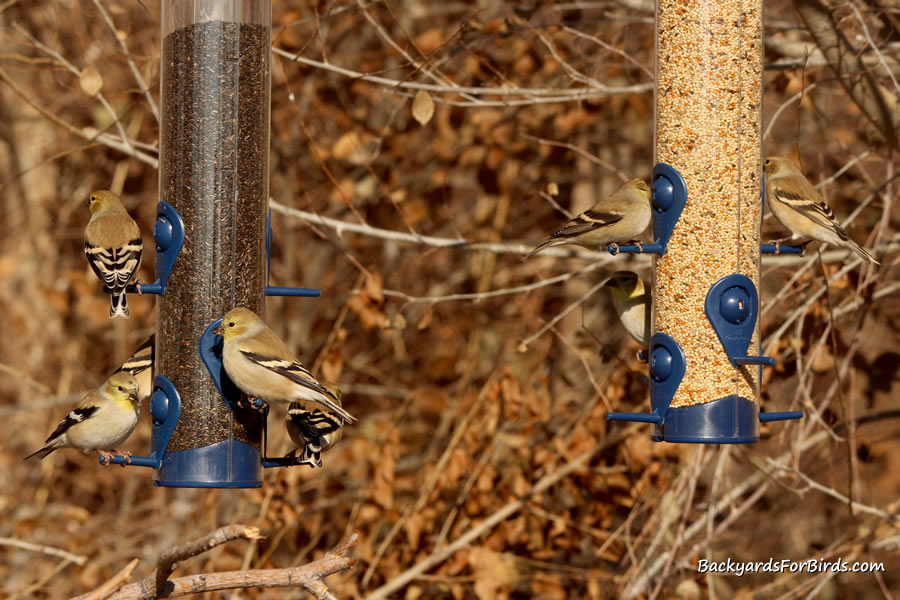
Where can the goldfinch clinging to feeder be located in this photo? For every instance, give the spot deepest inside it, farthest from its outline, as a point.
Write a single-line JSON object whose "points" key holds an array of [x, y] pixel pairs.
{"points": [[615, 220], [797, 204], [140, 365], [112, 243], [262, 366], [314, 431], [631, 299], [103, 420]]}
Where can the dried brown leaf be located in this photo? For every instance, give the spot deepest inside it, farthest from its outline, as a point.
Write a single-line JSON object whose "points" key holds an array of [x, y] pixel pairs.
{"points": [[494, 573], [91, 81], [423, 107]]}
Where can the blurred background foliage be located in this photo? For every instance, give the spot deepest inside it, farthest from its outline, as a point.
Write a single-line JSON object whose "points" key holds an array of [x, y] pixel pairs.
{"points": [[458, 417]]}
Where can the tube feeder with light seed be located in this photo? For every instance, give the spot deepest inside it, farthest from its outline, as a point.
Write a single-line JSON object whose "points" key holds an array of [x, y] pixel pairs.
{"points": [[704, 387]]}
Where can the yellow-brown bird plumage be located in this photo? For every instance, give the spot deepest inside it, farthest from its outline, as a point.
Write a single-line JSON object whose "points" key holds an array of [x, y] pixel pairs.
{"points": [[620, 218], [315, 431], [140, 365], [632, 302], [113, 246], [797, 204], [103, 420], [262, 366]]}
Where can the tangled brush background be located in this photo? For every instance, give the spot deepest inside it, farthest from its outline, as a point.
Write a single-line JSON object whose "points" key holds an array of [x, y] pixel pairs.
{"points": [[482, 465]]}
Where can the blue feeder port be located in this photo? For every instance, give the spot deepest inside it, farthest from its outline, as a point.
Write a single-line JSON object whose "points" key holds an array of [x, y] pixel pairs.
{"points": [[168, 233], [226, 464], [669, 199], [165, 411], [732, 305]]}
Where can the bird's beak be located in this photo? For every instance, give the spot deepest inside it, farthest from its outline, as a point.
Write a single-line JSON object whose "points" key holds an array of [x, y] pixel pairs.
{"points": [[219, 330], [133, 398]]}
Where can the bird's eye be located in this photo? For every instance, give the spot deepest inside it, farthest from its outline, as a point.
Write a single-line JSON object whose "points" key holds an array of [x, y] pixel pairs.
{"points": [[231, 324], [121, 389]]}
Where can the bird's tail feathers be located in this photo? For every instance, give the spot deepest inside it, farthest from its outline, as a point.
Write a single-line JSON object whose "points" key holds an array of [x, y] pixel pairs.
{"points": [[42, 453], [545, 244], [338, 410], [862, 252], [311, 455], [118, 305]]}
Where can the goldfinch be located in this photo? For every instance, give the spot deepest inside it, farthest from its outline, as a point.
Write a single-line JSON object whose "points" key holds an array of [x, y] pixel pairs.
{"points": [[314, 431], [631, 299], [140, 365], [615, 220], [800, 208], [103, 420], [262, 366], [112, 243]]}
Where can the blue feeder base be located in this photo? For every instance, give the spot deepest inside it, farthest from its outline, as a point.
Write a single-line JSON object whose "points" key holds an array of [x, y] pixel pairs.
{"points": [[729, 420], [227, 464]]}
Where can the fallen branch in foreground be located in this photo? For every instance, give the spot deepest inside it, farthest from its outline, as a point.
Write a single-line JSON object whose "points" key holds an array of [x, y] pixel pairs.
{"points": [[158, 585]]}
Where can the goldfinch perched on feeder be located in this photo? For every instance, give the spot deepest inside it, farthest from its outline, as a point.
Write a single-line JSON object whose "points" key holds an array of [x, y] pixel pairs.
{"points": [[262, 366], [140, 365], [615, 220], [102, 421], [800, 208], [112, 243], [631, 299], [315, 431]]}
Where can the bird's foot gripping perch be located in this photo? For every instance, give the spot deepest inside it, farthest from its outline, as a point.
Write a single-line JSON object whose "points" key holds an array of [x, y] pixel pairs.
{"points": [[106, 457], [250, 403]]}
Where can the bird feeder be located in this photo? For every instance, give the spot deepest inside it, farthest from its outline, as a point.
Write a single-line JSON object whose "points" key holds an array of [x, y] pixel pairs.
{"points": [[212, 239], [705, 372]]}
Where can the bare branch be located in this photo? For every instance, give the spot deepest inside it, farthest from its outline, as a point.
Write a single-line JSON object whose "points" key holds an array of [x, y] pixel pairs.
{"points": [[134, 70], [537, 94], [105, 139], [113, 584], [847, 66], [309, 577], [426, 240], [511, 508], [77, 72], [167, 562], [836, 494], [524, 345], [868, 36], [78, 559], [476, 296]]}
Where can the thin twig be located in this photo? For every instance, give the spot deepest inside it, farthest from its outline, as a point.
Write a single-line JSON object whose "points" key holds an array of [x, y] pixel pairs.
{"points": [[540, 95], [524, 345], [495, 293], [77, 72], [835, 494], [113, 584], [78, 559], [430, 483], [134, 70], [437, 242], [581, 152], [868, 36], [125, 148], [756, 481], [783, 106], [497, 517]]}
